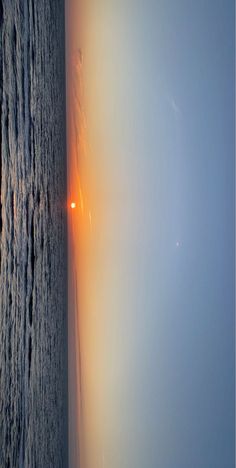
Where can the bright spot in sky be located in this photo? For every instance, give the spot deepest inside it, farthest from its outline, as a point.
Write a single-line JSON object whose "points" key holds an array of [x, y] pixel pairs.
{"points": [[177, 244], [73, 205]]}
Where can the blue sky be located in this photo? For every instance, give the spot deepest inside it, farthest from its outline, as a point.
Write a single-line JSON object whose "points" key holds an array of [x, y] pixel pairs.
{"points": [[159, 283]]}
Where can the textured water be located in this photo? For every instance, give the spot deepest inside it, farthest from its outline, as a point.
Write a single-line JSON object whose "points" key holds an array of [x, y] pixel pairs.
{"points": [[33, 291]]}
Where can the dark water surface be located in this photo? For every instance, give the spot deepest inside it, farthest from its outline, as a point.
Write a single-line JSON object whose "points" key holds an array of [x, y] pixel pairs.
{"points": [[33, 294]]}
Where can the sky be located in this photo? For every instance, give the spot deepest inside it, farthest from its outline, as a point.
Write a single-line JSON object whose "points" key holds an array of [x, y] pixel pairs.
{"points": [[150, 87]]}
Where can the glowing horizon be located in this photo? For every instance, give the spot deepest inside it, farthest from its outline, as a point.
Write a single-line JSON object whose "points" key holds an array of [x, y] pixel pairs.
{"points": [[147, 279]]}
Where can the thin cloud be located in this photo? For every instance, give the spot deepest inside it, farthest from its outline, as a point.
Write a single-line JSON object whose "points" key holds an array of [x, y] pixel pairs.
{"points": [[174, 106]]}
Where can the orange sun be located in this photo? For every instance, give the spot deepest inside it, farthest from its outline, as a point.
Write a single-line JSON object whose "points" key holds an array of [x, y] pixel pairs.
{"points": [[73, 205]]}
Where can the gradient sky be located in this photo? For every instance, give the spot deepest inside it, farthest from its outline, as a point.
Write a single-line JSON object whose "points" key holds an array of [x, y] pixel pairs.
{"points": [[151, 167]]}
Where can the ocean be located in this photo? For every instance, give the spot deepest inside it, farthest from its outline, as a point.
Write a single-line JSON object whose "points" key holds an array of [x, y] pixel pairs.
{"points": [[33, 235]]}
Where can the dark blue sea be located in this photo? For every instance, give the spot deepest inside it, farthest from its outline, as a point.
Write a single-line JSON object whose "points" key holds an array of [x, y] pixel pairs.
{"points": [[33, 235]]}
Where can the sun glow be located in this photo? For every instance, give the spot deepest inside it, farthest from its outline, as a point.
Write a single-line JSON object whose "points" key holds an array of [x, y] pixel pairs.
{"points": [[73, 205]]}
